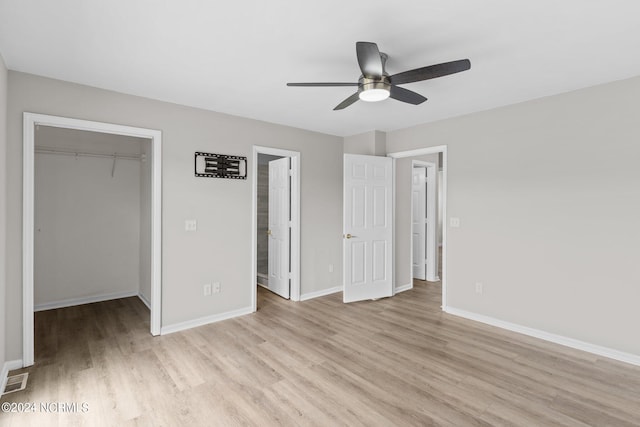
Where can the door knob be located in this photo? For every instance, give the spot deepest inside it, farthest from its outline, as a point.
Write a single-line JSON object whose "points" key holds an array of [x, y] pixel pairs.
{"points": [[269, 232], [348, 236]]}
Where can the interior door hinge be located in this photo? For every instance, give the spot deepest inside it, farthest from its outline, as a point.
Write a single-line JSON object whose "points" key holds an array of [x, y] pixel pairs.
{"points": [[290, 224], [290, 172]]}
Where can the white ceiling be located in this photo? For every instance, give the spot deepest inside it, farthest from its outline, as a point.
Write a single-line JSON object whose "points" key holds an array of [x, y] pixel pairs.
{"points": [[235, 57]]}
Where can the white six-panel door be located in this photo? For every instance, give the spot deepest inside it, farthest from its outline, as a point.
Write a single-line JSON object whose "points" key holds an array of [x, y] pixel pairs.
{"points": [[368, 228], [279, 211], [419, 221]]}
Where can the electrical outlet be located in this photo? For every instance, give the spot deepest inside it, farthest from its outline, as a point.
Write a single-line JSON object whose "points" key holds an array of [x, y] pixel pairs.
{"points": [[454, 222], [216, 287], [190, 225], [206, 289], [479, 288], [330, 268]]}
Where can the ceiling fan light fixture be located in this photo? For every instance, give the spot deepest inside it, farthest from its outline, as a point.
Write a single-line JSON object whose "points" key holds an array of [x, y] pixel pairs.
{"points": [[374, 95], [374, 90]]}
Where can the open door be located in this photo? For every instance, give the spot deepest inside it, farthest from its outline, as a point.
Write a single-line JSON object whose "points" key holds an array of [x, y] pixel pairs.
{"points": [[419, 221], [431, 224], [368, 228], [279, 220]]}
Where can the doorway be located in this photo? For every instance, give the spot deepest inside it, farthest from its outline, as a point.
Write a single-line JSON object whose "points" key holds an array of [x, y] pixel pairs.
{"points": [[31, 121], [403, 256], [273, 217], [276, 222]]}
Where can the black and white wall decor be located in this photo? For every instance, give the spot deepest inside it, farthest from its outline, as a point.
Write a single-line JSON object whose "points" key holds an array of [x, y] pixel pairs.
{"points": [[220, 166]]}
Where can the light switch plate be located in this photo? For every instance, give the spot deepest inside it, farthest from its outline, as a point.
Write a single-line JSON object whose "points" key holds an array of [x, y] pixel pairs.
{"points": [[190, 225]]}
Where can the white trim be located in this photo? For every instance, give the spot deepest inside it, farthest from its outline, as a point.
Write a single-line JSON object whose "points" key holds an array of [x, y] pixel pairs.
{"points": [[145, 301], [177, 327], [3, 377], [28, 177], [83, 300], [295, 220], [393, 221], [404, 288], [445, 171], [547, 336], [8, 366], [30, 120], [321, 293]]}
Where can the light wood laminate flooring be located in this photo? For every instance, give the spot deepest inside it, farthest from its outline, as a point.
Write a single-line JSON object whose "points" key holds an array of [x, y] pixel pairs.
{"points": [[392, 362]]}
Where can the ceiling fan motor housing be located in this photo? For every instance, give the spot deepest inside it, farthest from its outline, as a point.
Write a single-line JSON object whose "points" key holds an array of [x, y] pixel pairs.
{"points": [[375, 85]]}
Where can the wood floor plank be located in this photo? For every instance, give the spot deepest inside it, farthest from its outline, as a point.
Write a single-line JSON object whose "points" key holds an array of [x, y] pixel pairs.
{"points": [[397, 361]]}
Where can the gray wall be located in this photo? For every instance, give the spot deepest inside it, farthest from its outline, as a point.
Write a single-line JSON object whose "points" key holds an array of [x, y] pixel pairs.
{"points": [[548, 193], [87, 222], [3, 209], [403, 273], [371, 143], [220, 250]]}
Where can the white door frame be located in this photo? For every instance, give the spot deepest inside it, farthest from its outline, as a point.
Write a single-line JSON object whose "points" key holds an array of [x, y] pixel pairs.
{"points": [[432, 202], [295, 220], [419, 152], [30, 121]]}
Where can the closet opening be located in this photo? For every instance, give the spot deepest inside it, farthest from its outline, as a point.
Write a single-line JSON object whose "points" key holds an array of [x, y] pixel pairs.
{"points": [[91, 223]]}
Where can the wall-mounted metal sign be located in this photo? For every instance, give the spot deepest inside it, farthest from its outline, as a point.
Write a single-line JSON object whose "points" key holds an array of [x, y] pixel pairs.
{"points": [[220, 166]]}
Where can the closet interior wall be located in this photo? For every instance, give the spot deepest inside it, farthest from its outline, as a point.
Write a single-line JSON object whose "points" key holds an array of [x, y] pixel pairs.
{"points": [[88, 211]]}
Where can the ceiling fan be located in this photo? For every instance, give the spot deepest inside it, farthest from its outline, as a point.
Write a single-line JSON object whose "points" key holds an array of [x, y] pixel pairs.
{"points": [[375, 84]]}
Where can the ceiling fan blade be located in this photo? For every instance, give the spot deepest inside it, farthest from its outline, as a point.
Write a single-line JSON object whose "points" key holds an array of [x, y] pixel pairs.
{"points": [[404, 95], [321, 84], [369, 59], [350, 100], [430, 72]]}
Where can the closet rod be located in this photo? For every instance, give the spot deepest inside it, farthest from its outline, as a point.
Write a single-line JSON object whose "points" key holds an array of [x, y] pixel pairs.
{"points": [[86, 154]]}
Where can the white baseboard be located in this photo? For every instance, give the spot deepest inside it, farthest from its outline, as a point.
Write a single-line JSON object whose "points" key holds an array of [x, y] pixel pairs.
{"points": [[84, 300], [403, 288], [547, 336], [8, 366], [176, 327], [321, 293], [145, 301]]}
